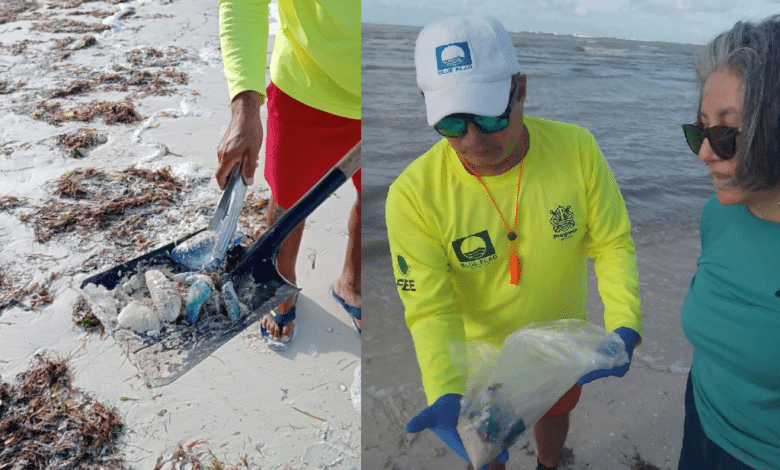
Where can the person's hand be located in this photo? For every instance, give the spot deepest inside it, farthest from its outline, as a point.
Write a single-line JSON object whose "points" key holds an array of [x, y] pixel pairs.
{"points": [[630, 338], [441, 418], [243, 139]]}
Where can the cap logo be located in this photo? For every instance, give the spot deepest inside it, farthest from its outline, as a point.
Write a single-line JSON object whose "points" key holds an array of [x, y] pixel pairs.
{"points": [[453, 57]]}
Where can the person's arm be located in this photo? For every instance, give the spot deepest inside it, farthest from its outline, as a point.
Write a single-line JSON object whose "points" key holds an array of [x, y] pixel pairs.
{"points": [[243, 34], [243, 38], [611, 247], [424, 284]]}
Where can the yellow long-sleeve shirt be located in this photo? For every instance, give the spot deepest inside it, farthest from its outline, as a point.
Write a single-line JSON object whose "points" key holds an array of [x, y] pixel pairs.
{"points": [[450, 248], [316, 56]]}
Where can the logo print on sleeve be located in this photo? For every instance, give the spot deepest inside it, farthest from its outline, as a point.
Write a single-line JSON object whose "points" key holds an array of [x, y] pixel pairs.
{"points": [[402, 283], [474, 251], [453, 57], [562, 222]]}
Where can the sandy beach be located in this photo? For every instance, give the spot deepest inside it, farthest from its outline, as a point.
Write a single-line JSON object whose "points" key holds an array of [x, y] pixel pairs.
{"points": [[142, 83]]}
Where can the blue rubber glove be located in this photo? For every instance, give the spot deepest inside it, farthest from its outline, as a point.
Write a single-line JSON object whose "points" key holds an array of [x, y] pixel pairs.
{"points": [[630, 337], [441, 418]]}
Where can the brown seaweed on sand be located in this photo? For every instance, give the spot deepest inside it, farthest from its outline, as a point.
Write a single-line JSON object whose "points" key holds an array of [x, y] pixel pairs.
{"points": [[112, 112], [75, 88], [13, 10], [185, 454], [76, 143], [65, 46], [151, 57], [156, 83], [142, 83], [47, 423], [10, 202], [83, 316], [100, 14], [66, 4], [85, 42], [20, 47], [73, 184], [69, 26], [36, 293], [139, 190], [8, 87], [4, 281], [62, 43]]}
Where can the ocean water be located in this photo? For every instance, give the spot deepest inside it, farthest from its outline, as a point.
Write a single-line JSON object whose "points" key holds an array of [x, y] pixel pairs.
{"points": [[632, 95]]}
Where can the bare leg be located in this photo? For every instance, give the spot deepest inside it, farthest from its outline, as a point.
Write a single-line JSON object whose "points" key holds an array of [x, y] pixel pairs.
{"points": [[550, 433], [347, 286], [288, 254]]}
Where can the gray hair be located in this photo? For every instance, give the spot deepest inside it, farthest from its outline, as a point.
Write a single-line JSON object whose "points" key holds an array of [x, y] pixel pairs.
{"points": [[752, 50]]}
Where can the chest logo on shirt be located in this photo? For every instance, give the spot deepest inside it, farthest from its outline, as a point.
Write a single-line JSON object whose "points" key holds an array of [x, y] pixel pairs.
{"points": [[453, 57], [563, 223], [475, 251]]}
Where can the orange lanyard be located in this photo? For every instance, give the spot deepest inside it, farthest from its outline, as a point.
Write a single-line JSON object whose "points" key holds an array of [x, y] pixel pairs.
{"points": [[515, 260]]}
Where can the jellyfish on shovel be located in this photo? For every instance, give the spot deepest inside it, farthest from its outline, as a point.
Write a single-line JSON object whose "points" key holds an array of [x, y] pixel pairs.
{"points": [[206, 251]]}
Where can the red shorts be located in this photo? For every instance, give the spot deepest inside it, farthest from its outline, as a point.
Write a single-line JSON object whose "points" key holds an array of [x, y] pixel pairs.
{"points": [[303, 144], [567, 402]]}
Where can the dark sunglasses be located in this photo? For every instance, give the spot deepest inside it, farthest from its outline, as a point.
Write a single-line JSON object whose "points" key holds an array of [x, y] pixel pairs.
{"points": [[455, 125], [723, 140]]}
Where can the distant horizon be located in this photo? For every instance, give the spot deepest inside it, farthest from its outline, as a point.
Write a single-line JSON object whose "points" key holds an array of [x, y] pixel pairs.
{"points": [[576, 35], [669, 21]]}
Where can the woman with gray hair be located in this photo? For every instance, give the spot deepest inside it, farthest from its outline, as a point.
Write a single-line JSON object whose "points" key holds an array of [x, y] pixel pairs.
{"points": [[731, 314]]}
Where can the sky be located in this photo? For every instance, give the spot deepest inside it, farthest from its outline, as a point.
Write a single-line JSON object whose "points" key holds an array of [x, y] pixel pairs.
{"points": [[692, 21]]}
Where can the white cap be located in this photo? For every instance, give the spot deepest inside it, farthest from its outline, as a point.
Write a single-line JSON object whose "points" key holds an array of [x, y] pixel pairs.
{"points": [[465, 65]]}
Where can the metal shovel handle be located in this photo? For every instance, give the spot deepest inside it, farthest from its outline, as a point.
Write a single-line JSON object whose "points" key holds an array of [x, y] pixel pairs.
{"points": [[267, 246]]}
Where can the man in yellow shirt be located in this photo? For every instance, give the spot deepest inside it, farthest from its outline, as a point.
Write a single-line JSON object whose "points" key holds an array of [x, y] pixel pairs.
{"points": [[490, 229], [313, 120]]}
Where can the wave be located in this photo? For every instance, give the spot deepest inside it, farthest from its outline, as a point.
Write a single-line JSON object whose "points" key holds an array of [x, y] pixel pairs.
{"points": [[602, 51], [369, 67]]}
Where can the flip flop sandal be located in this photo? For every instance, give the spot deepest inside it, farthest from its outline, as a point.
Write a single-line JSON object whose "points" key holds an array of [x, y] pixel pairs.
{"points": [[354, 312], [281, 320]]}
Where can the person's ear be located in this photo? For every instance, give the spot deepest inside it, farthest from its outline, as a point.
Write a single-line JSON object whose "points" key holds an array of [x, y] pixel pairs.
{"points": [[521, 82]]}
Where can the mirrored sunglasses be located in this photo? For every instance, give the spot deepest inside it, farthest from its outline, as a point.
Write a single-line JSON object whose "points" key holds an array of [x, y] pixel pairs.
{"points": [[456, 125]]}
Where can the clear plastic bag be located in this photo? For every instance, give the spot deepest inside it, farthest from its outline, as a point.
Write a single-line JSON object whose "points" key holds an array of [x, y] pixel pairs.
{"points": [[510, 389]]}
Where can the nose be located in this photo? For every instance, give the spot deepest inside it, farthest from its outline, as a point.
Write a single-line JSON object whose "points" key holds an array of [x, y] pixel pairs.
{"points": [[706, 155], [473, 137]]}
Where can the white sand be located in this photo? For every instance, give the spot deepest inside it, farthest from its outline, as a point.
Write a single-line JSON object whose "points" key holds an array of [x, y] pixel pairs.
{"points": [[243, 400]]}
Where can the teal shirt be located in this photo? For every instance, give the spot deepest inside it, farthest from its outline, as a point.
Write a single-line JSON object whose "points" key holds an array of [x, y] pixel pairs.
{"points": [[731, 316]]}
